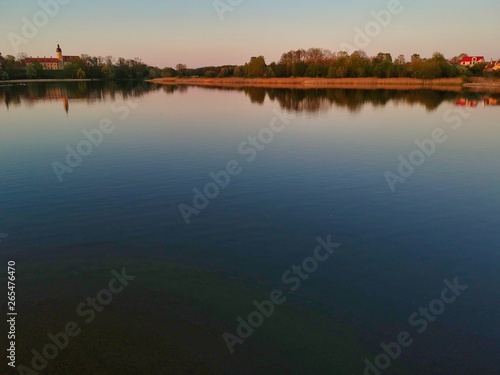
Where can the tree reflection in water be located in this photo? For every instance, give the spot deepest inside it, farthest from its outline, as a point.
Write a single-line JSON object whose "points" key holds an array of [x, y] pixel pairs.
{"points": [[295, 100]]}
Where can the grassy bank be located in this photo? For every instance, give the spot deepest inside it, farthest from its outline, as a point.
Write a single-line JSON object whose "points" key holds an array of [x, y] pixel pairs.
{"points": [[454, 84], [482, 83]]}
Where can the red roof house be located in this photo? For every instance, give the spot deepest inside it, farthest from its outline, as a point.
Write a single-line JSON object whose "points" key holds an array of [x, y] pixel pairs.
{"points": [[472, 60], [31, 60]]}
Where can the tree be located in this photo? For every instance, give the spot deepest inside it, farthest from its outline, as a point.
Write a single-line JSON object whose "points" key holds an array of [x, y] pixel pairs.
{"points": [[256, 67], [70, 70], [22, 56], [314, 55], [30, 71], [280, 70], [400, 63], [238, 71], [108, 71], [80, 74], [478, 69], [313, 70], [224, 72], [168, 72], [362, 54], [415, 58], [269, 72], [39, 69], [358, 65], [181, 68], [338, 68], [457, 59], [383, 66], [299, 69], [4, 76]]}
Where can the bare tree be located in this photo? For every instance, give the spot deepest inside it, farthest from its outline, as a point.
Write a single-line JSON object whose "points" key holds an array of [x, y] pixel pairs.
{"points": [[181, 68]]}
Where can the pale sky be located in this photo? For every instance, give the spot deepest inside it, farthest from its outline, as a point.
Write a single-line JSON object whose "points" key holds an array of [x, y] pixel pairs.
{"points": [[164, 33]]}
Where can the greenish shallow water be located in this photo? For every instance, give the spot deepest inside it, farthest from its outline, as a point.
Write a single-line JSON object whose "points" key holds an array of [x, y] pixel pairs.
{"points": [[322, 176]]}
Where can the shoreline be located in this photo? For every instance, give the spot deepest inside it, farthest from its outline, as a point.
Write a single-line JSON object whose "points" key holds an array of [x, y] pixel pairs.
{"points": [[443, 84], [447, 84]]}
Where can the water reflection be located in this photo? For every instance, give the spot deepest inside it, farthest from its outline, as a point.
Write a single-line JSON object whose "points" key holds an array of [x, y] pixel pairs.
{"points": [[322, 100], [89, 92], [492, 100], [296, 100]]}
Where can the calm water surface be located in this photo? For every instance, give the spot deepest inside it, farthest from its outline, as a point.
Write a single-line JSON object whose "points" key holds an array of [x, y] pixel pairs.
{"points": [[321, 176]]}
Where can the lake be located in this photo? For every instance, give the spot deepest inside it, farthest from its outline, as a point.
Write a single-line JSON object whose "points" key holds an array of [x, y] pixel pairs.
{"points": [[265, 231]]}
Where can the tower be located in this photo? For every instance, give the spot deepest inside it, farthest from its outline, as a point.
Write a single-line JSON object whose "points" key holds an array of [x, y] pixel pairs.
{"points": [[59, 54]]}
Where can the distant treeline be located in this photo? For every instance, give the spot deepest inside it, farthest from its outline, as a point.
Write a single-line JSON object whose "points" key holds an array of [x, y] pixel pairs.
{"points": [[314, 63], [321, 63], [81, 67]]}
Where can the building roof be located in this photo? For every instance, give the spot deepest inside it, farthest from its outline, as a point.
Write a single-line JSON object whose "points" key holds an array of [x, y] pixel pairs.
{"points": [[30, 60], [470, 59]]}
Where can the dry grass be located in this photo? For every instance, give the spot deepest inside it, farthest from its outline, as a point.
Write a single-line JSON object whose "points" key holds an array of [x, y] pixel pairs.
{"points": [[483, 84], [453, 84]]}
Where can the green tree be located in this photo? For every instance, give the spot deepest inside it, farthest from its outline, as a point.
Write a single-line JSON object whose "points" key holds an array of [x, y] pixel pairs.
{"points": [[400, 66], [224, 72], [108, 71], [80, 73], [338, 68], [168, 72], [238, 71], [31, 71], [299, 69], [269, 72], [256, 67], [39, 69], [280, 70], [70, 70], [478, 69], [357, 65]]}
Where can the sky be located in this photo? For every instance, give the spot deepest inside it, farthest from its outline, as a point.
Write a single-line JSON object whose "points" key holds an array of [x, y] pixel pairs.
{"points": [[164, 33]]}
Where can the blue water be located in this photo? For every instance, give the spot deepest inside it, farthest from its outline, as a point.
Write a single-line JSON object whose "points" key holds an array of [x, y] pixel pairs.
{"points": [[322, 176]]}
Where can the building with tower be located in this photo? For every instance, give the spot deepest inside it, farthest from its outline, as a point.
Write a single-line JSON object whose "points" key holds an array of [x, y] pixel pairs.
{"points": [[52, 63]]}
